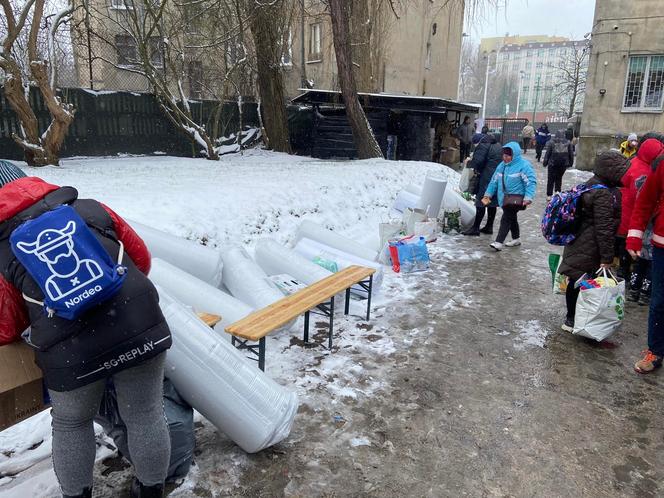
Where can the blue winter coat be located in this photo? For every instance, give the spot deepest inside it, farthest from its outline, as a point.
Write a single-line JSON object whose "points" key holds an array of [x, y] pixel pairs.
{"points": [[543, 135], [520, 177]]}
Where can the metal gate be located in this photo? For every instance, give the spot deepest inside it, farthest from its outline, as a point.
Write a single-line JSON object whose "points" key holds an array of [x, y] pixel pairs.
{"points": [[506, 129]]}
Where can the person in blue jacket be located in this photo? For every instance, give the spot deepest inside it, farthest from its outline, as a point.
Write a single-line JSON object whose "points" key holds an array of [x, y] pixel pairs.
{"points": [[541, 138], [513, 177]]}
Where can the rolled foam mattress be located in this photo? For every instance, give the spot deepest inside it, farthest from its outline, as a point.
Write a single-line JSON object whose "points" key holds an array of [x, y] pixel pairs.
{"points": [[196, 259], [432, 195], [247, 281], [311, 249], [313, 231], [217, 380], [200, 295], [276, 259]]}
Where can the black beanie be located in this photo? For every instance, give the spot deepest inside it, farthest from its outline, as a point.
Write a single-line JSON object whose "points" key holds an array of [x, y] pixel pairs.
{"points": [[9, 172]]}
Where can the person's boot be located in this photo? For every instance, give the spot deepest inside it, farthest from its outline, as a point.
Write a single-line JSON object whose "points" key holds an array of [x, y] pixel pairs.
{"points": [[472, 231], [644, 297], [139, 490], [568, 325], [87, 493], [488, 229], [634, 288]]}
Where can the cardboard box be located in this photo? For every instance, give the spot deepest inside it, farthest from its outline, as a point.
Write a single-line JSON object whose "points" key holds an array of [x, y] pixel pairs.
{"points": [[21, 390]]}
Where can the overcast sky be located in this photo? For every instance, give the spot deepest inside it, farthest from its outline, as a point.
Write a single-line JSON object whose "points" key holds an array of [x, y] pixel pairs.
{"points": [[571, 18]]}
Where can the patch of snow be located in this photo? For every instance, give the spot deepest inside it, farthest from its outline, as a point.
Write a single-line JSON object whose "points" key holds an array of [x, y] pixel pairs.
{"points": [[530, 333], [359, 441]]}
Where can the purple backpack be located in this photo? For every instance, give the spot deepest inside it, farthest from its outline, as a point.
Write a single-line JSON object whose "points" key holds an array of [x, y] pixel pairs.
{"points": [[562, 218]]}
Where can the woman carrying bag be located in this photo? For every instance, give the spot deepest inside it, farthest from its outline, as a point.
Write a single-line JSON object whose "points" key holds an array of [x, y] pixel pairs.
{"points": [[514, 183]]}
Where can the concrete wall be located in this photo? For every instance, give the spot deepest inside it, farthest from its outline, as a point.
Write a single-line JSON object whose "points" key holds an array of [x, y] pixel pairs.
{"points": [[621, 29]]}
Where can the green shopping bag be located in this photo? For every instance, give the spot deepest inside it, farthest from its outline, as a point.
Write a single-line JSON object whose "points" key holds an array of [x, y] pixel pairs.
{"points": [[558, 281]]}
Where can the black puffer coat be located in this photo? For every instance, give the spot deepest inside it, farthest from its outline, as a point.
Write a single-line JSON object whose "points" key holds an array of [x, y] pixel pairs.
{"points": [[487, 156], [600, 218]]}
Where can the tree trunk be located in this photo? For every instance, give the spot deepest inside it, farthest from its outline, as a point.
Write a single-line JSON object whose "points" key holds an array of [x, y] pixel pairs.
{"points": [[365, 141], [268, 42]]}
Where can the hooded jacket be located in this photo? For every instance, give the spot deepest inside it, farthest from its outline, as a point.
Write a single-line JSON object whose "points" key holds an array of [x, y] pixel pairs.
{"points": [[635, 178], [116, 334], [649, 205], [487, 156], [519, 177], [550, 159], [600, 218]]}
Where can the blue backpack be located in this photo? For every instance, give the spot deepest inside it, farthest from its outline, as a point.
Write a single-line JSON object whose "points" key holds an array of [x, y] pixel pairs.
{"points": [[562, 217], [67, 262]]}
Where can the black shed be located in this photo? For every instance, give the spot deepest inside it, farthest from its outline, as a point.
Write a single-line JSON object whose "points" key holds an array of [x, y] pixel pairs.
{"points": [[406, 127]]}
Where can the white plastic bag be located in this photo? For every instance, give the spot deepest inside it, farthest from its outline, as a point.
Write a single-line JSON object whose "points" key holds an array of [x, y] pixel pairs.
{"points": [[600, 311], [412, 216], [426, 229], [466, 175]]}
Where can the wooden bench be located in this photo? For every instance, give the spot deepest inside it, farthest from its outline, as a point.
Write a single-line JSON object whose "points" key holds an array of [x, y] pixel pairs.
{"points": [[209, 319], [249, 333]]}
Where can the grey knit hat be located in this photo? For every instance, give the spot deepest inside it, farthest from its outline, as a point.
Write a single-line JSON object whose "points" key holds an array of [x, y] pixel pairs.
{"points": [[9, 172]]}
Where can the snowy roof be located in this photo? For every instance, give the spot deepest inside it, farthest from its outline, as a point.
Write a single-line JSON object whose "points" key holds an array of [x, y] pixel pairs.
{"points": [[414, 103]]}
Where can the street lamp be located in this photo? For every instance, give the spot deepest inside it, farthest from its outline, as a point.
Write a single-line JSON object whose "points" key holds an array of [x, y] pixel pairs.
{"points": [[537, 89], [486, 82], [522, 74]]}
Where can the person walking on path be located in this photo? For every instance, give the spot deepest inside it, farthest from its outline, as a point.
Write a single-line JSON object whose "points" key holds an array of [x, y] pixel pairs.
{"points": [[558, 157], [650, 206], [514, 183], [542, 137], [629, 147], [487, 156], [465, 135], [527, 135], [639, 280], [123, 337], [593, 246]]}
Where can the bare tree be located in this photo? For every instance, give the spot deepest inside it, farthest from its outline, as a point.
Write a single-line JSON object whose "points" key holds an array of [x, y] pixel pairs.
{"points": [[572, 70], [365, 141], [268, 36], [31, 66], [471, 72]]}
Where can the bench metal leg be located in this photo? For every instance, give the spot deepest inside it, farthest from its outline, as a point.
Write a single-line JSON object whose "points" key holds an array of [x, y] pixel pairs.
{"points": [[306, 327], [369, 298], [331, 323], [257, 350], [347, 307], [261, 354]]}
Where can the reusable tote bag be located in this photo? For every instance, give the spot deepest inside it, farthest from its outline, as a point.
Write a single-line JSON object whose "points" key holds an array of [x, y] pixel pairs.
{"points": [[600, 311]]}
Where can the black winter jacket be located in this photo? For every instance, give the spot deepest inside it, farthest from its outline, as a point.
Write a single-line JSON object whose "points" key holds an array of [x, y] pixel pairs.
{"points": [[487, 156], [117, 334], [600, 219]]}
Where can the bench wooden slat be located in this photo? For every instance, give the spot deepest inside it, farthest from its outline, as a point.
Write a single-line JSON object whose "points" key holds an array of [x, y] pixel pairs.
{"points": [[260, 323]]}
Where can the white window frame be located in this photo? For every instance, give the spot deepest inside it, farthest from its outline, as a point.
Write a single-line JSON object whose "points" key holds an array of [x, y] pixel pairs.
{"points": [[644, 86], [122, 4], [315, 42]]}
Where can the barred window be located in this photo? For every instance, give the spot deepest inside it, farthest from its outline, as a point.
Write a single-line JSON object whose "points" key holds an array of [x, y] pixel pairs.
{"points": [[645, 83], [126, 47], [315, 31]]}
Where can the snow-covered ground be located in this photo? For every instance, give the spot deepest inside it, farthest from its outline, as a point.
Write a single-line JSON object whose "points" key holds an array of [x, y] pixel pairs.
{"points": [[238, 200]]}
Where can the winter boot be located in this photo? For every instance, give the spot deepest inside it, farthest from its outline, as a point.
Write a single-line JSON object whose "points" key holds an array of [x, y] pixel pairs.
{"points": [[568, 326], [473, 231], [139, 490], [634, 287], [487, 230], [644, 297], [87, 493], [649, 362]]}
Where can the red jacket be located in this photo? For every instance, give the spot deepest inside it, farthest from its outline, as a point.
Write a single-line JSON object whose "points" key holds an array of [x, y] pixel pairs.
{"points": [[635, 178], [21, 194], [649, 205]]}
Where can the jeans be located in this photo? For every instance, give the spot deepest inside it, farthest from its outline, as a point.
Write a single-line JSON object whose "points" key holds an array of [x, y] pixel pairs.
{"points": [[508, 222], [656, 315], [554, 179], [141, 403], [571, 297]]}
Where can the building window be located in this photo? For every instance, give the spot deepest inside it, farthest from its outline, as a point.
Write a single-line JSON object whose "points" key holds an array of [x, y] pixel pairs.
{"points": [[234, 52], [315, 52], [122, 4], [193, 14], [529, 65], [539, 65], [645, 83], [287, 48], [195, 71], [154, 44], [126, 47]]}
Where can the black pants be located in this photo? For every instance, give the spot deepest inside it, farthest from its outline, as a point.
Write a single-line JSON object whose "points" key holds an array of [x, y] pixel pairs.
{"points": [[625, 260], [479, 216], [571, 297], [464, 151], [642, 270], [554, 179], [526, 143], [538, 150], [509, 222]]}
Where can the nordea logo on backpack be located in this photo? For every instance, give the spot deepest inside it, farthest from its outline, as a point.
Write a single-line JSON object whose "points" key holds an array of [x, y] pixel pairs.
{"points": [[66, 260]]}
